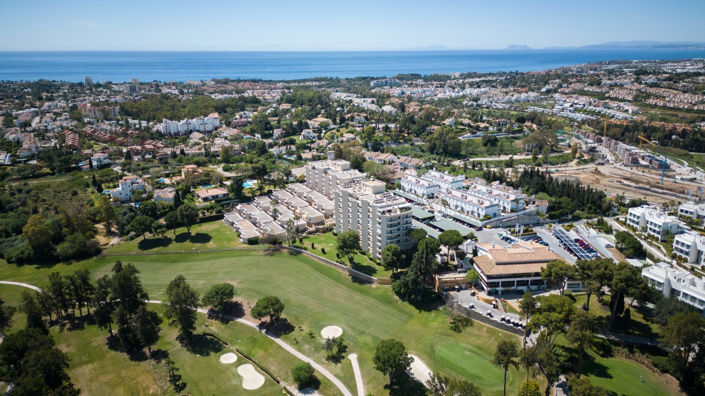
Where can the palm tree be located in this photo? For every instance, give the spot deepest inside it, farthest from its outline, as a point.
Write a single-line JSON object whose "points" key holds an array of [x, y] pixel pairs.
{"points": [[505, 356]]}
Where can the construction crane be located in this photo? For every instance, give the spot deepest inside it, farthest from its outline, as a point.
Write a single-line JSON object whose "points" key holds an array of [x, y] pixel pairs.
{"points": [[664, 161]]}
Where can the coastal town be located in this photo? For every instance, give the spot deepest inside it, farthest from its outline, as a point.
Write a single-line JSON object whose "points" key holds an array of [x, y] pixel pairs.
{"points": [[559, 212]]}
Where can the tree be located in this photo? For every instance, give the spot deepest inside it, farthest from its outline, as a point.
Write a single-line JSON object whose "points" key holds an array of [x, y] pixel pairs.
{"points": [[188, 215], [103, 308], [391, 358], [625, 280], [440, 385], [529, 388], [553, 315], [6, 313], [472, 276], [629, 244], [172, 220], [506, 355], [348, 244], [418, 234], [666, 307], [80, 288], [37, 234], [183, 302], [218, 295], [557, 272], [270, 306], [106, 213], [527, 305], [147, 327], [141, 225], [582, 327], [392, 257], [58, 289], [682, 332], [357, 161], [304, 376], [236, 188], [582, 386], [335, 349], [451, 239], [595, 274]]}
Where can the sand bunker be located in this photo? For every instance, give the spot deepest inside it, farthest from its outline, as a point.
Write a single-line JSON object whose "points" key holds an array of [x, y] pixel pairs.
{"points": [[331, 332], [228, 358], [251, 379], [419, 370]]}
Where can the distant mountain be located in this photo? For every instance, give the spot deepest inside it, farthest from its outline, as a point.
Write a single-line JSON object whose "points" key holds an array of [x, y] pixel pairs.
{"points": [[646, 45], [518, 47]]}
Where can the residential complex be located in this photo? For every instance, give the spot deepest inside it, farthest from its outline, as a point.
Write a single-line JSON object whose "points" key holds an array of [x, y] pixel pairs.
{"points": [[125, 187], [692, 210], [327, 176], [200, 124], [379, 217], [654, 222], [690, 246], [677, 283]]}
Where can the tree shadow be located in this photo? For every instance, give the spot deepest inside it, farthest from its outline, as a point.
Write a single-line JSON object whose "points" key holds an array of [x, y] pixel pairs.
{"points": [[431, 302], [234, 308], [598, 370], [159, 355], [278, 327], [311, 388], [404, 385], [271, 250], [153, 243], [136, 355], [366, 269], [203, 345], [200, 238], [293, 252], [360, 280], [183, 237]]}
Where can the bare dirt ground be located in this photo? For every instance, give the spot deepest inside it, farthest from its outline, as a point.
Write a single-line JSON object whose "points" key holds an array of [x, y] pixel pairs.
{"points": [[616, 181]]}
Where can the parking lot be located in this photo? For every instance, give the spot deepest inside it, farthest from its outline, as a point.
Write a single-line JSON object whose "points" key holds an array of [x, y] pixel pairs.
{"points": [[576, 246], [467, 299]]}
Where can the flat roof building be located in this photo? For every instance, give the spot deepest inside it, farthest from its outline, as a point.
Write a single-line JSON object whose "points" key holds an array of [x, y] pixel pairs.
{"points": [[676, 283]]}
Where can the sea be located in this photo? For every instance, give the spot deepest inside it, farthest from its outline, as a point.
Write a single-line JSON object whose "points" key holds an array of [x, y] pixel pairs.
{"points": [[120, 66]]}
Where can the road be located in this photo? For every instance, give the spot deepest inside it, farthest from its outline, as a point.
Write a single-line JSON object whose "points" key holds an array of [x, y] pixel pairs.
{"points": [[358, 374], [343, 389]]}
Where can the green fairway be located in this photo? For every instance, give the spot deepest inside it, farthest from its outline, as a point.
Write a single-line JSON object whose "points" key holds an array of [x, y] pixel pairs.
{"points": [[328, 242], [99, 370], [625, 377], [211, 235], [315, 296]]}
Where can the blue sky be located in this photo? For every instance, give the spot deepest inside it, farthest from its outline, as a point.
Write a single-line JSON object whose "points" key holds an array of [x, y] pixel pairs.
{"points": [[336, 25]]}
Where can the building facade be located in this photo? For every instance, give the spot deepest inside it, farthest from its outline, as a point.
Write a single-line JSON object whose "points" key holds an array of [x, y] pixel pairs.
{"points": [[676, 283]]}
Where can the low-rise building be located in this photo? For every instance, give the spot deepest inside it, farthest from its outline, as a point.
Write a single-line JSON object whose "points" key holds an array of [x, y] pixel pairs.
{"points": [[211, 194], [165, 195], [692, 210], [654, 222], [125, 187], [676, 283], [509, 268], [690, 246]]}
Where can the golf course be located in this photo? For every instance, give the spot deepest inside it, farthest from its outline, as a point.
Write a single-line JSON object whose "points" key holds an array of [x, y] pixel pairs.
{"points": [[315, 296]]}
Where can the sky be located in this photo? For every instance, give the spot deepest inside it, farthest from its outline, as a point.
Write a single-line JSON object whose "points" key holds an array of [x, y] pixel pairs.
{"points": [[320, 25]]}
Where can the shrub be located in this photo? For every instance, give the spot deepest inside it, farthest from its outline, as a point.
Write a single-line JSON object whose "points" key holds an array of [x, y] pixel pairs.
{"points": [[304, 376]]}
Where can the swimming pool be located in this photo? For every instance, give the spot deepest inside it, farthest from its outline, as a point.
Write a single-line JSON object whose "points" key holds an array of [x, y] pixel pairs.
{"points": [[249, 183]]}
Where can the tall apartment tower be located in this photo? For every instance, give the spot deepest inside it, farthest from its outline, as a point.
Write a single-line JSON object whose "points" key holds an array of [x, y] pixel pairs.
{"points": [[379, 217], [327, 176]]}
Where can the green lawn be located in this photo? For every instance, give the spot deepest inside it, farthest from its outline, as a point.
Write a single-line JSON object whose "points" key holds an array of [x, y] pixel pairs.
{"points": [[625, 377], [327, 241], [316, 296], [204, 236], [639, 325], [98, 370]]}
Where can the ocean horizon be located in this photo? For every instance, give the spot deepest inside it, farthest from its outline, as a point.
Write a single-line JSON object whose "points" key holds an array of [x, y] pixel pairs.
{"points": [[120, 66]]}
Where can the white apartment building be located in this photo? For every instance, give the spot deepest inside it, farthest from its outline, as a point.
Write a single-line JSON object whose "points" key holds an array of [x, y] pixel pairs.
{"points": [[200, 124], [655, 222], [677, 283], [125, 187], [691, 209], [508, 199], [419, 186], [329, 175], [468, 202], [690, 246], [444, 180], [379, 217]]}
